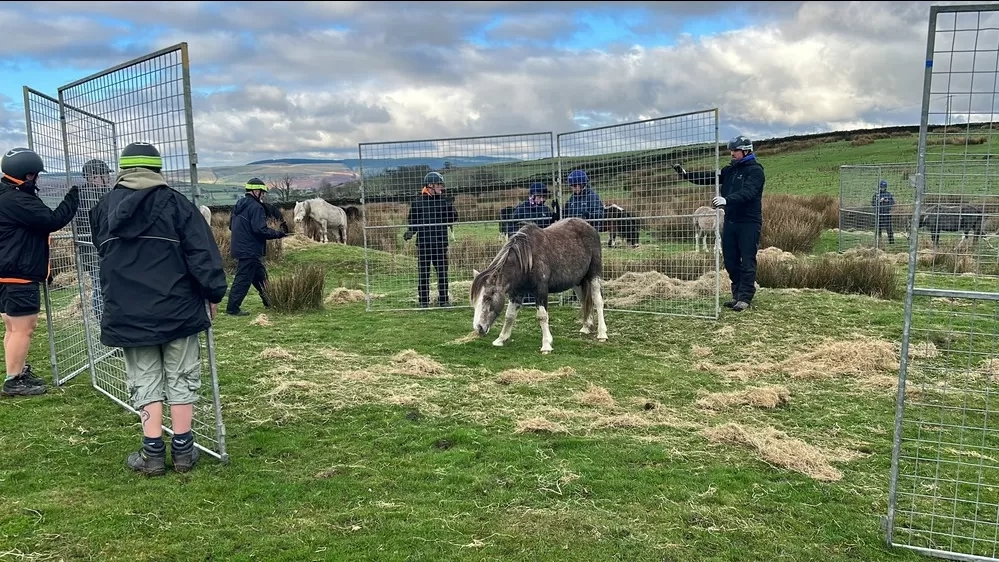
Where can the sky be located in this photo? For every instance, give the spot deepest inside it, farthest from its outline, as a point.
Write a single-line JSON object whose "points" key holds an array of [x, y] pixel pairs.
{"points": [[314, 79]]}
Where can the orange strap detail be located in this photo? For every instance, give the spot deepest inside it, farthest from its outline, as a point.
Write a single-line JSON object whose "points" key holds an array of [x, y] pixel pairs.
{"points": [[15, 180], [14, 280]]}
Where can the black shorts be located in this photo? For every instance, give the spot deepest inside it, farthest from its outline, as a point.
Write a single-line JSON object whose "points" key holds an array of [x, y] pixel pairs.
{"points": [[20, 299]]}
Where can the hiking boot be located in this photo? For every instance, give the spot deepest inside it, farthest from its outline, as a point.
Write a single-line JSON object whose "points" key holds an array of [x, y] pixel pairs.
{"points": [[237, 313], [141, 461], [729, 303], [185, 462], [29, 375], [740, 306], [444, 303], [21, 386]]}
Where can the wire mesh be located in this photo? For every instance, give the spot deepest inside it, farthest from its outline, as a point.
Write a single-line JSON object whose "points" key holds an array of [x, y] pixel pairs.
{"points": [[661, 233], [147, 99], [874, 217], [62, 297], [944, 487], [421, 251]]}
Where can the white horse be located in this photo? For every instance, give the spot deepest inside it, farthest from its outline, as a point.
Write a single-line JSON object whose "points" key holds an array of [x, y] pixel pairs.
{"points": [[704, 224], [325, 214], [206, 212]]}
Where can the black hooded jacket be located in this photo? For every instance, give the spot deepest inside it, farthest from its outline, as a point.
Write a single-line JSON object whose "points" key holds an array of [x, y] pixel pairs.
{"points": [[250, 233], [25, 225], [159, 262]]}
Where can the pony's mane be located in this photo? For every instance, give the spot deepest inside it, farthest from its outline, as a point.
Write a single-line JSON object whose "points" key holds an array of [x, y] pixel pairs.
{"points": [[519, 245]]}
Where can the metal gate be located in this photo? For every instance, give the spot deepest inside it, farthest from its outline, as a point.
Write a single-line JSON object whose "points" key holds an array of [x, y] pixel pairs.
{"points": [[944, 485], [146, 99], [885, 226], [656, 224]]}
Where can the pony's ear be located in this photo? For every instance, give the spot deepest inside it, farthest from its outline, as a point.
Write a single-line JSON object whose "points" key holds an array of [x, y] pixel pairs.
{"points": [[475, 272]]}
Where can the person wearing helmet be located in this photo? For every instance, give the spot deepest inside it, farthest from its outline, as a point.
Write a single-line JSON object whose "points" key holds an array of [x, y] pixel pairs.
{"points": [[741, 195], [534, 210], [26, 224], [584, 202], [97, 182], [883, 202], [429, 217], [161, 282], [250, 233]]}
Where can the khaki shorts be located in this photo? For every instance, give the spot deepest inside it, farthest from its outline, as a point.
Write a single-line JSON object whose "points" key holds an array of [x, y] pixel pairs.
{"points": [[169, 373]]}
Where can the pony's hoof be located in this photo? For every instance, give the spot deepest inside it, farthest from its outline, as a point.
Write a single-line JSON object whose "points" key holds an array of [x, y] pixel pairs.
{"points": [[601, 340], [498, 343], [584, 330], [545, 351]]}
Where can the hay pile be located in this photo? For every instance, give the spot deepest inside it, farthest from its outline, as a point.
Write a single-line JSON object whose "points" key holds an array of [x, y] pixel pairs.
{"points": [[297, 241], [768, 397], [774, 254], [343, 295], [634, 288], [777, 448], [532, 376]]}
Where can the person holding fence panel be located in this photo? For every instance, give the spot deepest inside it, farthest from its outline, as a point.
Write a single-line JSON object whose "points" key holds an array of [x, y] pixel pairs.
{"points": [[742, 181], [430, 215], [26, 225], [97, 182], [162, 279]]}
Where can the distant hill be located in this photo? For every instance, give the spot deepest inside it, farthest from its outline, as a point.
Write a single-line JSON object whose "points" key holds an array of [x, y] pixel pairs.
{"points": [[376, 164]]}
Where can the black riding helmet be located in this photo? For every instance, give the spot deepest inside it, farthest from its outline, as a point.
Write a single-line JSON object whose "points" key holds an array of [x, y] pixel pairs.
{"points": [[19, 162], [96, 167], [141, 155]]}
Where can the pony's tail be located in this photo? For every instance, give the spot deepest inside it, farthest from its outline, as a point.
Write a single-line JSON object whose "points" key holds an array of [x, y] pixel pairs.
{"points": [[586, 302]]}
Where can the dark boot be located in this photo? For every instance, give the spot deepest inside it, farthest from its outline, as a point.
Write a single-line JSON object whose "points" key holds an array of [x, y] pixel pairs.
{"points": [[150, 465], [20, 386], [184, 462], [29, 375], [740, 306]]}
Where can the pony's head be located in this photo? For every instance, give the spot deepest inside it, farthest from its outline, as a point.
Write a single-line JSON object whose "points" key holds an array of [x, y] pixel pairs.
{"points": [[300, 209], [488, 295]]}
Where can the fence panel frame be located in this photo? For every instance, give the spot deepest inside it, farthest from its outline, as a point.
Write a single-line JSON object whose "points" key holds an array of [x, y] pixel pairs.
{"points": [[920, 288], [717, 269], [898, 184], [206, 338]]}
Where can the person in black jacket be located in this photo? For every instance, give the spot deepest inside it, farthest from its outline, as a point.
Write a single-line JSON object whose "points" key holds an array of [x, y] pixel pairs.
{"points": [[741, 194], [25, 225], [250, 233], [161, 282], [429, 217]]}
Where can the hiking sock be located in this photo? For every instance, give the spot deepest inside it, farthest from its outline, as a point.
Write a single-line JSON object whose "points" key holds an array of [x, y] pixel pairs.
{"points": [[182, 443], [153, 446], [11, 377]]}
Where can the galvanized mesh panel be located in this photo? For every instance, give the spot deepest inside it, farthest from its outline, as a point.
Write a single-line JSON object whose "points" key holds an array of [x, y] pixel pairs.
{"points": [[663, 247], [482, 177], [148, 100], [870, 217], [944, 488], [63, 311]]}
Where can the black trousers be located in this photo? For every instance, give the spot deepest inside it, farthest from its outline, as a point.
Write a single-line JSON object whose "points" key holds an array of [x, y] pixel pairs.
{"points": [[740, 242], [435, 256], [249, 271], [884, 225]]}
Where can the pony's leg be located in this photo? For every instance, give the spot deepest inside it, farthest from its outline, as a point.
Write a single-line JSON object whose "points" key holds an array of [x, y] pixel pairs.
{"points": [[326, 226], [697, 240], [546, 332], [511, 315], [588, 323], [598, 308]]}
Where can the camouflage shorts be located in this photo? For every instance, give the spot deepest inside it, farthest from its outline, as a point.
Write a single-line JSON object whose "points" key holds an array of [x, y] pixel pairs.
{"points": [[169, 373]]}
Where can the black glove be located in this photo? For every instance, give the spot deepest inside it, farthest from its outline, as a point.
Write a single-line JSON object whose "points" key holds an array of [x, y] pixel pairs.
{"points": [[679, 168], [73, 193], [407, 235]]}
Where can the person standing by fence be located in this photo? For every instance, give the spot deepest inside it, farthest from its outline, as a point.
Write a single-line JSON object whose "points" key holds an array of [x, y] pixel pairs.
{"points": [[250, 233], [429, 217]]}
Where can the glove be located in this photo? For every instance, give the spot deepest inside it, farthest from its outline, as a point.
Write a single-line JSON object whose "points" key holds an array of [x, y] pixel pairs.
{"points": [[73, 193], [679, 168], [407, 235], [718, 202]]}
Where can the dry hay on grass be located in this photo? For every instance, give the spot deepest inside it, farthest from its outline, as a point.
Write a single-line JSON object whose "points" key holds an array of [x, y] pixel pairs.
{"points": [[633, 288], [774, 254], [777, 449], [532, 376], [277, 353], [72, 311], [63, 280], [343, 295], [870, 361], [297, 241], [261, 320], [412, 364], [767, 397], [596, 396], [539, 425]]}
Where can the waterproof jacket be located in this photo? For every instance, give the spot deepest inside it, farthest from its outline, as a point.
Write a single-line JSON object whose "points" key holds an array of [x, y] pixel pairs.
{"points": [[741, 184], [586, 205], [429, 217], [250, 233], [159, 262], [883, 207], [25, 225], [539, 214]]}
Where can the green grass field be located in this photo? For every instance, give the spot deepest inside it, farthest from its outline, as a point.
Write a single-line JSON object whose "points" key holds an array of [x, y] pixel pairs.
{"points": [[397, 436]]}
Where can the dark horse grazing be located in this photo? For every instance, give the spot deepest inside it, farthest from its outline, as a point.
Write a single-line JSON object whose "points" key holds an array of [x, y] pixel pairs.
{"points": [[620, 223], [541, 261], [952, 218]]}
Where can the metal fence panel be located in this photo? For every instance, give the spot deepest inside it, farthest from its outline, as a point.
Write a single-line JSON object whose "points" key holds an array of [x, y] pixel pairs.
{"points": [[657, 225], [944, 486], [148, 99], [482, 175], [886, 226], [68, 353]]}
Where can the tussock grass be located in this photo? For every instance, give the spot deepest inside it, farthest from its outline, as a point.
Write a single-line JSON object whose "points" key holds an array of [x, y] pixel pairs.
{"points": [[298, 290]]}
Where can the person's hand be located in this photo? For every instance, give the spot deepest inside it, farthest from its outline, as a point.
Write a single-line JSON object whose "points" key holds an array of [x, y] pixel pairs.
{"points": [[679, 168], [73, 193], [718, 201], [407, 235], [213, 309]]}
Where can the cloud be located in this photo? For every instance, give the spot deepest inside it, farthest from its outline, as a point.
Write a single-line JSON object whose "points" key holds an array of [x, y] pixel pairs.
{"points": [[316, 78]]}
